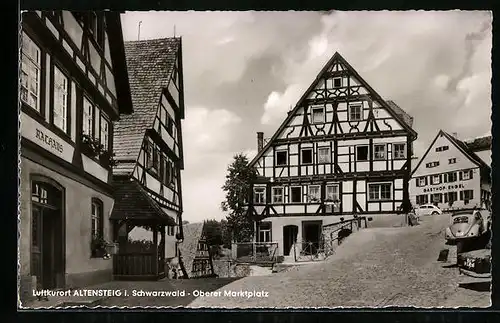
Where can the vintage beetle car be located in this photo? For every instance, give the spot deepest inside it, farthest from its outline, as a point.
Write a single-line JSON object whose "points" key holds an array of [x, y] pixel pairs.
{"points": [[475, 266], [468, 224]]}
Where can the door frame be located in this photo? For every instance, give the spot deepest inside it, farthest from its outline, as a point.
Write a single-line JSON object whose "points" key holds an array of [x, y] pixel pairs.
{"points": [[286, 237], [60, 273], [319, 224]]}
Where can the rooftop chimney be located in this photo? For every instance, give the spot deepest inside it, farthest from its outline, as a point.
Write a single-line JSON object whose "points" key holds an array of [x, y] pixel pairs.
{"points": [[260, 141]]}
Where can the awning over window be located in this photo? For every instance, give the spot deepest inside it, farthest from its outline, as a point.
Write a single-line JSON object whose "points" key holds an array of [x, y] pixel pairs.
{"points": [[133, 203]]}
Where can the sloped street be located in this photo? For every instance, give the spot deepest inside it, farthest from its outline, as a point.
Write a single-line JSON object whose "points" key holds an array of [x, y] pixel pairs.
{"points": [[376, 267]]}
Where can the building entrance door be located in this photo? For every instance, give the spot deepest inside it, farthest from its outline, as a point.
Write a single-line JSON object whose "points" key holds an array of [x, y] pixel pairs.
{"points": [[47, 239], [311, 235], [290, 233]]}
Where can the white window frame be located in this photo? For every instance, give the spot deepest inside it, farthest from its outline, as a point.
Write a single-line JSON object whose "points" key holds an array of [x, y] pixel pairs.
{"points": [[421, 181], [317, 119], [259, 195], [375, 152], [333, 82], [279, 196], [60, 99], [291, 195], [353, 106], [395, 152], [324, 158], [88, 117], [104, 135], [335, 193], [434, 181], [466, 175], [316, 197], [455, 177], [31, 70], [302, 159], [95, 220], [276, 157], [379, 192], [452, 161], [265, 234]]}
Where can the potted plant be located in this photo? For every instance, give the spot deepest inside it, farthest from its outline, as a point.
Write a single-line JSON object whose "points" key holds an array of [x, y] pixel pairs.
{"points": [[106, 158], [90, 146], [98, 247]]}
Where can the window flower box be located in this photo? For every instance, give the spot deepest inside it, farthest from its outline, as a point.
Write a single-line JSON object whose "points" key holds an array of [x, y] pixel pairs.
{"points": [[98, 247], [90, 146], [112, 248], [106, 158]]}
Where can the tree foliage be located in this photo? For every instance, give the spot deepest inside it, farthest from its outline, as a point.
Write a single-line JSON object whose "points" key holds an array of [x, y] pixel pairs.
{"points": [[237, 188], [213, 232]]}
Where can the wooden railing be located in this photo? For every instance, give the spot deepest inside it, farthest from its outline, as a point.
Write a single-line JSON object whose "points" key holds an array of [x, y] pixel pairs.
{"points": [[135, 266]]}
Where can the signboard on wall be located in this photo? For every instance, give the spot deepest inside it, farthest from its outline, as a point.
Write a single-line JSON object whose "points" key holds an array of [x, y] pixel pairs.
{"points": [[444, 188], [46, 139]]}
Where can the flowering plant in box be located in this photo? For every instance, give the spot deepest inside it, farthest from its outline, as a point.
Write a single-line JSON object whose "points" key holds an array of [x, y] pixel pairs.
{"points": [[98, 247], [90, 146], [107, 158]]}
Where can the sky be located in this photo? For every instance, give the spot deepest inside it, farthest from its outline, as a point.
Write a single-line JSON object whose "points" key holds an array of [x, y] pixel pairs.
{"points": [[244, 70]]}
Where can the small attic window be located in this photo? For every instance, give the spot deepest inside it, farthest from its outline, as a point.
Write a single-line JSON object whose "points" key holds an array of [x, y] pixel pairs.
{"points": [[337, 82]]}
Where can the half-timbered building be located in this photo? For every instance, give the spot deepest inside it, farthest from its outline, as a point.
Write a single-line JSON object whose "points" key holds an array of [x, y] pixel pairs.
{"points": [[73, 86], [197, 259], [451, 175], [342, 150], [149, 157]]}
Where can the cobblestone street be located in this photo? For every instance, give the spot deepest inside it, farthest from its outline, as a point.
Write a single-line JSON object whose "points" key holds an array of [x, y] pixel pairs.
{"points": [[374, 268]]}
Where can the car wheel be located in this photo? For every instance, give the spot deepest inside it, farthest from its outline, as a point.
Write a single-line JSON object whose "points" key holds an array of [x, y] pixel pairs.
{"points": [[435, 213]]}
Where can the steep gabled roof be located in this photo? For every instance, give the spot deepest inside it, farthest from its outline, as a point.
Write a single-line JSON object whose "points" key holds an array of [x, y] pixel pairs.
{"points": [[132, 202], [408, 119], [393, 109], [150, 64], [463, 147]]}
